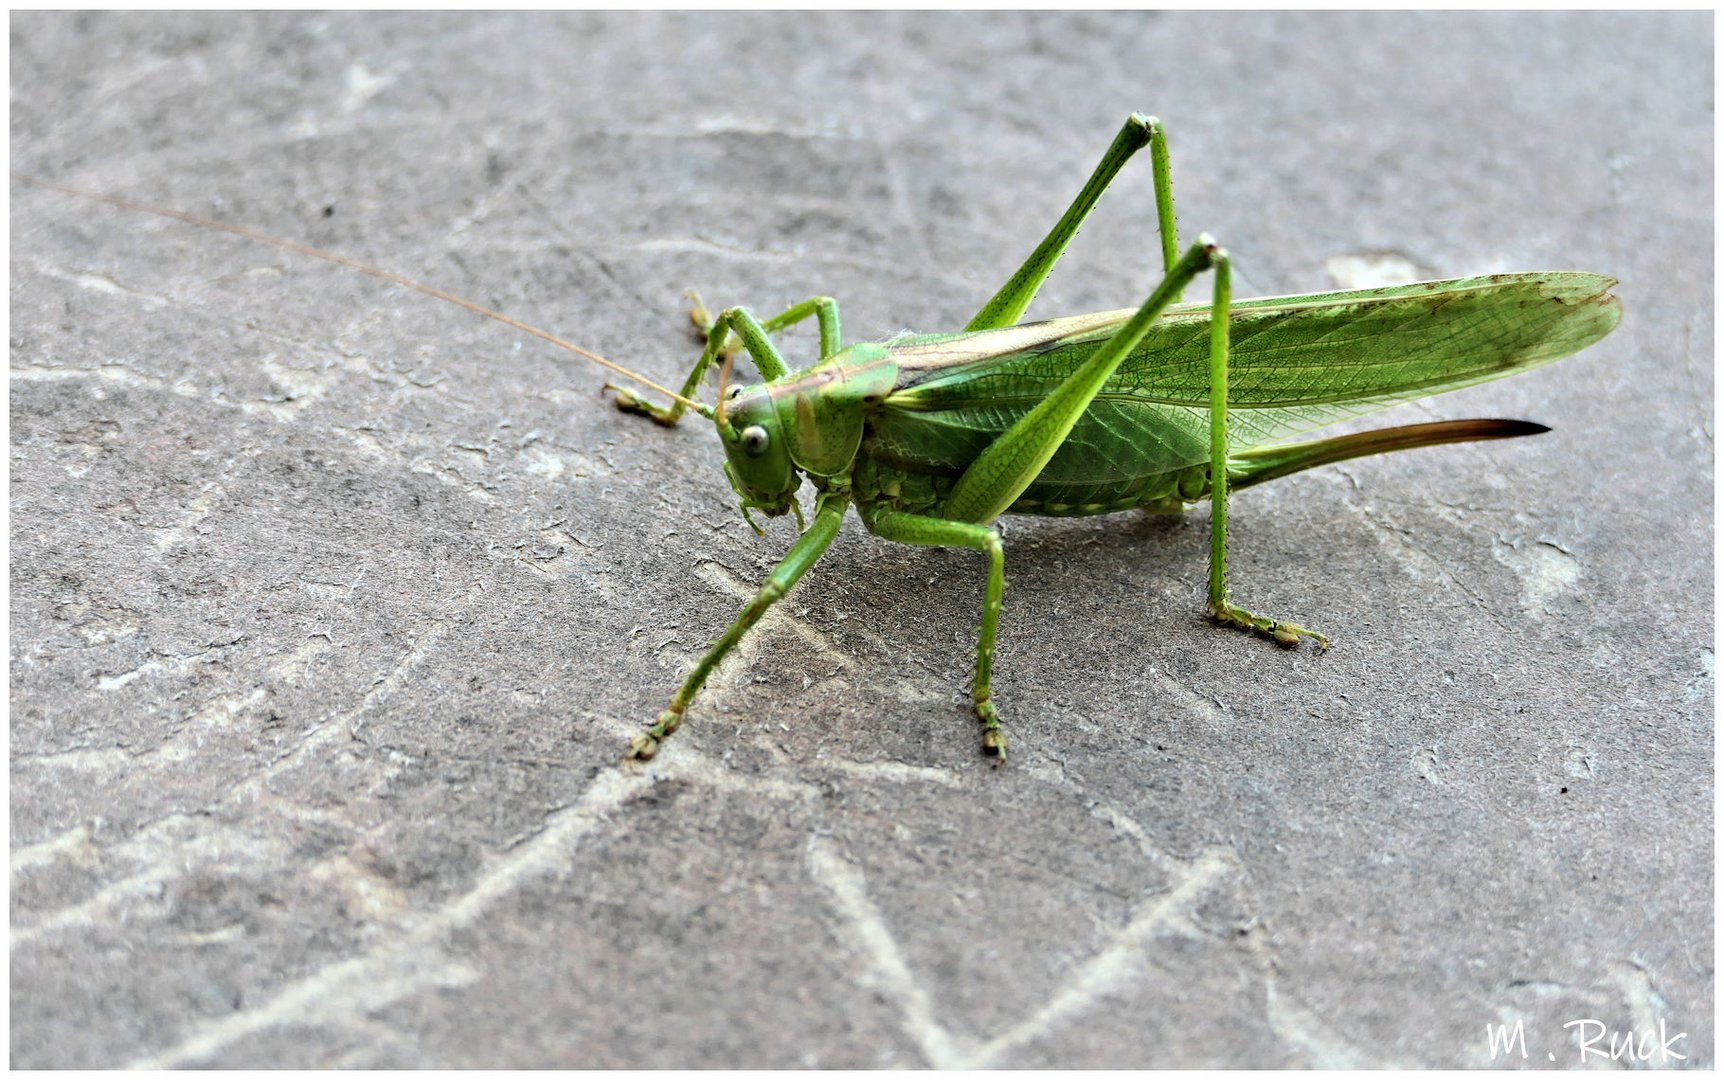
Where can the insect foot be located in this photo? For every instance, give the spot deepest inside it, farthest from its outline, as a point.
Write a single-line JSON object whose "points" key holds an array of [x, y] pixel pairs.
{"points": [[702, 318], [993, 739], [1282, 633], [645, 745], [698, 313], [630, 402]]}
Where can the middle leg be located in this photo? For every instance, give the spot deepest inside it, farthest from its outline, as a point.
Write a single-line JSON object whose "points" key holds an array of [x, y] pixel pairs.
{"points": [[752, 335], [937, 532]]}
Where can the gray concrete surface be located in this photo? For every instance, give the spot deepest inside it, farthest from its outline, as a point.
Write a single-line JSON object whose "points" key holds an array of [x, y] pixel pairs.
{"points": [[332, 608]]}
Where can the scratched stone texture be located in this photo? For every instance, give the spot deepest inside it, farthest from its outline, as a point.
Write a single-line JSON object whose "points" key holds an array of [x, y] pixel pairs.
{"points": [[333, 607]]}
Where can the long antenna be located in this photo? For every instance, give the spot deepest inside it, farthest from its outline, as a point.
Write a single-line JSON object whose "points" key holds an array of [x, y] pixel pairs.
{"points": [[354, 264], [723, 392]]}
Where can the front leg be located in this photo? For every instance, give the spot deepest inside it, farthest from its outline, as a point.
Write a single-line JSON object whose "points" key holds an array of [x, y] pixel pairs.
{"points": [[823, 308], [753, 336], [802, 555]]}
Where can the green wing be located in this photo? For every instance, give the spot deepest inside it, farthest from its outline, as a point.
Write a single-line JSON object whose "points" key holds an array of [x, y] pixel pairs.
{"points": [[1297, 362]]}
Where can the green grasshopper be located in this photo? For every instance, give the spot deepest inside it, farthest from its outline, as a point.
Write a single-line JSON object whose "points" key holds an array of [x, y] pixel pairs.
{"points": [[933, 436]]}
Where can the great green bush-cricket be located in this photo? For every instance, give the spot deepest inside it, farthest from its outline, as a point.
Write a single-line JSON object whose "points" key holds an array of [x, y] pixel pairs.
{"points": [[931, 437]]}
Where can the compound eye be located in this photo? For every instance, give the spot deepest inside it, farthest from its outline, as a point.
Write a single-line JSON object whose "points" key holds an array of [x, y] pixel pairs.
{"points": [[733, 393], [754, 440]]}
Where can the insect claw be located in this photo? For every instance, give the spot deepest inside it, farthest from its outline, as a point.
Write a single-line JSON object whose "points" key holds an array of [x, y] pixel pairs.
{"points": [[993, 739], [646, 744], [1290, 636], [1285, 634]]}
